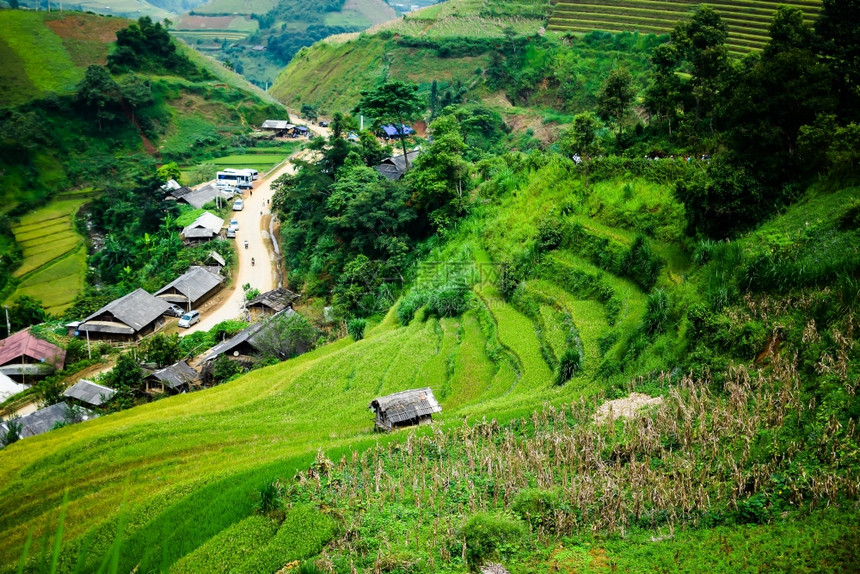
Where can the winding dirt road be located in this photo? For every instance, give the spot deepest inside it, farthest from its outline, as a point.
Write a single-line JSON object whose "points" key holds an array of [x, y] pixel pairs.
{"points": [[254, 228]]}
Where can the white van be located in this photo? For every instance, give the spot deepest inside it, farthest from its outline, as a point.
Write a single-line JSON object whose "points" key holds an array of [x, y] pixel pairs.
{"points": [[190, 318]]}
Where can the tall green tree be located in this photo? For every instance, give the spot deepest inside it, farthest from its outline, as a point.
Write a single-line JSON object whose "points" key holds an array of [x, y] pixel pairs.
{"points": [[665, 90], [99, 92], [582, 139], [394, 102], [702, 48], [616, 96], [838, 26], [24, 312]]}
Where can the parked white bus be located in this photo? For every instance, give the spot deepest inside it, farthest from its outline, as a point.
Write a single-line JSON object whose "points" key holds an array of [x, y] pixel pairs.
{"points": [[240, 178]]}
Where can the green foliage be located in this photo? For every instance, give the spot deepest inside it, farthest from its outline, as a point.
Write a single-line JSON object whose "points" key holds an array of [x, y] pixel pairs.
{"points": [[302, 535], [492, 536], [126, 378], [641, 265], [569, 365], [224, 369], [355, 328], [12, 432], [24, 312], [146, 46], [537, 507], [229, 548], [163, 350], [657, 309]]}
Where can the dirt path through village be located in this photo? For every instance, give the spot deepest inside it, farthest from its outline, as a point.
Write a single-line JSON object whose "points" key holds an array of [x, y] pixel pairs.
{"points": [[253, 228]]}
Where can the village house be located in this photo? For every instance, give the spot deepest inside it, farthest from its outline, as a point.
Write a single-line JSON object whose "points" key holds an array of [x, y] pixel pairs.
{"points": [[25, 358], [406, 408], [128, 318], [280, 128], [197, 198], [177, 378], [47, 419], [191, 288], [271, 303], [86, 394], [204, 228], [394, 167]]}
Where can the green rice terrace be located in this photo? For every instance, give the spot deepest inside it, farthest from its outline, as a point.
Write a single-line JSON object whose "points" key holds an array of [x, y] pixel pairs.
{"points": [[746, 20], [54, 253]]}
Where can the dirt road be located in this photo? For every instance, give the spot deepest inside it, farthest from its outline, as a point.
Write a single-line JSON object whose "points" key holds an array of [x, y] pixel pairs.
{"points": [[253, 228]]}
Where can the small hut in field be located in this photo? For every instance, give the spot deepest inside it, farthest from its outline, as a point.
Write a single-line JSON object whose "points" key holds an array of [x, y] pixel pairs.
{"points": [[406, 408]]}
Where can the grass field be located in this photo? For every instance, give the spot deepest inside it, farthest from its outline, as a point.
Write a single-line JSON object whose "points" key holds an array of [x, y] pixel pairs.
{"points": [[54, 254]]}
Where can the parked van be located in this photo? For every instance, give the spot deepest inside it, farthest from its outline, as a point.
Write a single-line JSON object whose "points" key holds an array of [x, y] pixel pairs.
{"points": [[190, 318]]}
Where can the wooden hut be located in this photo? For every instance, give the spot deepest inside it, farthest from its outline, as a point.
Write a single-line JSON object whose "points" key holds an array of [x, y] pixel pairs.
{"points": [[271, 302], [177, 378], [406, 408]]}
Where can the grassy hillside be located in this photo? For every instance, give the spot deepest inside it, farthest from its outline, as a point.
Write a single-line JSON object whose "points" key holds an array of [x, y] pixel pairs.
{"points": [[49, 52], [180, 479], [747, 20]]}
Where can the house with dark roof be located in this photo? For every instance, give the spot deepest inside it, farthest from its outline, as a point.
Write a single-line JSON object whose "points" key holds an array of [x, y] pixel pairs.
{"points": [[46, 419], [199, 197], [177, 378], [191, 288], [128, 318], [271, 302], [390, 131], [25, 358], [86, 393], [246, 344], [406, 408], [394, 167]]}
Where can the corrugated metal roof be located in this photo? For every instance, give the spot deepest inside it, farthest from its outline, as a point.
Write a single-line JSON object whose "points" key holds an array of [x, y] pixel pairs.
{"points": [[206, 221], [24, 344], [277, 125], [177, 374], [193, 284], [90, 392], [136, 310], [241, 337], [276, 300]]}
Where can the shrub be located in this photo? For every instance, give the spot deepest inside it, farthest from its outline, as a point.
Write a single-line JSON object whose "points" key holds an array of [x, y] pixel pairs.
{"points": [[408, 305], [656, 312], [569, 365], [270, 498], [449, 301], [355, 327], [641, 265], [490, 536], [13, 432], [536, 506]]}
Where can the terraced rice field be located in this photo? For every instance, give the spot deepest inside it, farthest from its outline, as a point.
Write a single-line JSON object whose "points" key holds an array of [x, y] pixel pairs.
{"points": [[54, 254], [747, 20]]}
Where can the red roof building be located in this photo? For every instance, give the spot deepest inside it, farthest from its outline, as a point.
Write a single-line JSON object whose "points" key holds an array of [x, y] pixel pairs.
{"points": [[22, 355]]}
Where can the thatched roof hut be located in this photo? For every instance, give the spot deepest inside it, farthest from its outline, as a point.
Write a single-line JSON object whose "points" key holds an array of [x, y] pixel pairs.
{"points": [[405, 408]]}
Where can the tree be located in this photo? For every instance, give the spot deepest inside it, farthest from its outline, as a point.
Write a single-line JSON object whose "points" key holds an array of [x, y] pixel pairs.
{"points": [[125, 378], [702, 46], [394, 102], [98, 91], [13, 431], [169, 171], [136, 92], [24, 312], [310, 112], [615, 96], [664, 94], [440, 176], [161, 349], [581, 139], [284, 336], [838, 26]]}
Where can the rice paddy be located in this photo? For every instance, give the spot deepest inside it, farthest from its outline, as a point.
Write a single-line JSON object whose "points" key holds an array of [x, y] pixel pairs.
{"points": [[54, 254]]}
